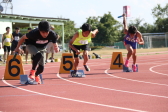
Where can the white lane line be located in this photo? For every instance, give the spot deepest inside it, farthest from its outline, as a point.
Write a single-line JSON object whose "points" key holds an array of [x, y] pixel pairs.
{"points": [[74, 100], [85, 101], [134, 80], [158, 72], [18, 95], [112, 89]]}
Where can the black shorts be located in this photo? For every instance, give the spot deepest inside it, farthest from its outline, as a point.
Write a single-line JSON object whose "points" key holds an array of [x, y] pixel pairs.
{"points": [[82, 47], [14, 45], [7, 48]]}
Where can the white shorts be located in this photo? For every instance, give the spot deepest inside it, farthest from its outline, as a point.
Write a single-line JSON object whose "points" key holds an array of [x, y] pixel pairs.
{"points": [[50, 48]]}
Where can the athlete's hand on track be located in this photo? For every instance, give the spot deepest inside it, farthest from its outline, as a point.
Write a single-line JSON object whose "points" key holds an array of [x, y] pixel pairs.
{"points": [[77, 52], [20, 51]]}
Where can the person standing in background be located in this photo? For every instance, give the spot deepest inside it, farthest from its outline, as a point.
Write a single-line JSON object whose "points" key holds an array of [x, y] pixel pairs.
{"points": [[50, 48], [6, 42], [26, 43], [16, 36]]}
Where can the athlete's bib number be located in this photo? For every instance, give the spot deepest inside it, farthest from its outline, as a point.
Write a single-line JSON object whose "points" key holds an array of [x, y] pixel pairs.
{"points": [[16, 38], [83, 41], [7, 40]]}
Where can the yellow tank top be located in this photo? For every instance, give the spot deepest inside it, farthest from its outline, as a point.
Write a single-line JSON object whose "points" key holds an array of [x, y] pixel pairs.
{"points": [[81, 40], [7, 39]]}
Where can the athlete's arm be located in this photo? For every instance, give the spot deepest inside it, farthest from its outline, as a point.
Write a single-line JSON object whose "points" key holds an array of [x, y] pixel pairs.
{"points": [[58, 37], [3, 37], [76, 35], [94, 33], [22, 40], [12, 38], [56, 48], [125, 24], [140, 39]]}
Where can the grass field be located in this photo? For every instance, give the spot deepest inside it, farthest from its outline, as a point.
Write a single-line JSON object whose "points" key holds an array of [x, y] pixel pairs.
{"points": [[107, 52]]}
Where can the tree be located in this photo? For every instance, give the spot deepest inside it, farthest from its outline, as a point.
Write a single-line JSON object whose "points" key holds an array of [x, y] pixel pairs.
{"points": [[136, 22], [161, 15], [93, 21], [159, 12], [162, 25], [108, 29], [69, 31], [147, 28]]}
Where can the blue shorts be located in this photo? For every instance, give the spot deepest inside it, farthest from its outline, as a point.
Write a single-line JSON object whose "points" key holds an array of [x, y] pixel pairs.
{"points": [[133, 44]]}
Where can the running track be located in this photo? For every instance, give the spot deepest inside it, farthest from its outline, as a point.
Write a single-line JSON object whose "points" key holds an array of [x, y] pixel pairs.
{"points": [[102, 90]]}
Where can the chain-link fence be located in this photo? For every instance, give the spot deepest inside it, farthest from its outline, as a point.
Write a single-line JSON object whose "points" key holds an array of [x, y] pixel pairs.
{"points": [[152, 40]]}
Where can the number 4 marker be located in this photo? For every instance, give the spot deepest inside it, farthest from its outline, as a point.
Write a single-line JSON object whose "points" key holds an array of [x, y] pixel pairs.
{"points": [[116, 61]]}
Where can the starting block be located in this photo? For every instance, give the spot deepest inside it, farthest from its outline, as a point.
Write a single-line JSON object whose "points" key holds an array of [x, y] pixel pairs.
{"points": [[126, 69], [24, 79], [79, 73]]}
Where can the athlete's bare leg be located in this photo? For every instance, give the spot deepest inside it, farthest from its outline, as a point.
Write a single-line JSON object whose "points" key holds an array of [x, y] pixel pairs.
{"points": [[130, 51], [134, 56], [85, 56], [76, 63], [26, 56], [52, 56], [4, 56], [46, 56]]}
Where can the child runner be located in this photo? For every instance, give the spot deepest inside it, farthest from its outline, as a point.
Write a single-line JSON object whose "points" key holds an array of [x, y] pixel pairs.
{"points": [[80, 42], [133, 36], [38, 39]]}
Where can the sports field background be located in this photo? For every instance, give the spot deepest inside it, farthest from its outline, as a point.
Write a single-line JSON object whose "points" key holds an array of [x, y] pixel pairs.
{"points": [[107, 53]]}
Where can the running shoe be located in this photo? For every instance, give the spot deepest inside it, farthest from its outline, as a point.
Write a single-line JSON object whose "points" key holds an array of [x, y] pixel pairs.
{"points": [[127, 63], [38, 80], [134, 68], [86, 68], [32, 74], [73, 73]]}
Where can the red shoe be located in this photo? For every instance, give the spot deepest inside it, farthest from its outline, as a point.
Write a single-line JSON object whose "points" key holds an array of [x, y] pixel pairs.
{"points": [[32, 74], [38, 80], [134, 68], [127, 63]]}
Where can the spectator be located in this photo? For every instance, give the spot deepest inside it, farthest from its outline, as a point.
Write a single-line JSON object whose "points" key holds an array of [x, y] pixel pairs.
{"points": [[26, 43], [6, 42], [50, 48], [16, 36]]}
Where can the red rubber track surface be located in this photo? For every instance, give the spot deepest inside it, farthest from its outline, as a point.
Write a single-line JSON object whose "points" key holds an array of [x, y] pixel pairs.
{"points": [[102, 90]]}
